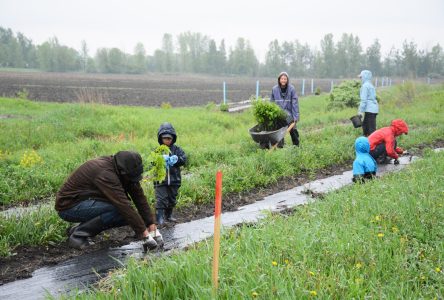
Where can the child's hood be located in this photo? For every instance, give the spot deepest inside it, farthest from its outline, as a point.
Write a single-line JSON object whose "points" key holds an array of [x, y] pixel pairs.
{"points": [[166, 128], [362, 145]]}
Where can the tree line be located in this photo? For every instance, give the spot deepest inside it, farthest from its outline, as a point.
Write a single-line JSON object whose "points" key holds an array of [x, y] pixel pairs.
{"points": [[192, 52]]}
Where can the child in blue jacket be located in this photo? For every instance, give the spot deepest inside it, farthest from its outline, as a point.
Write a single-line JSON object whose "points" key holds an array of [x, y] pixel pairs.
{"points": [[364, 166]]}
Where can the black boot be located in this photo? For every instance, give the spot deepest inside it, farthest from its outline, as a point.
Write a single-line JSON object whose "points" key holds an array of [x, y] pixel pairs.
{"points": [[80, 234], [160, 216], [169, 215]]}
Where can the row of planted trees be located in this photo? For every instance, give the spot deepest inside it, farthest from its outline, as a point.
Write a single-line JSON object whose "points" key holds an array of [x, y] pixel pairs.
{"points": [[197, 53]]}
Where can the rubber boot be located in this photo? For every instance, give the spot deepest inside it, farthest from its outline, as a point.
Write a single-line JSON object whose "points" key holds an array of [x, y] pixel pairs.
{"points": [[169, 215], [80, 234], [160, 217]]}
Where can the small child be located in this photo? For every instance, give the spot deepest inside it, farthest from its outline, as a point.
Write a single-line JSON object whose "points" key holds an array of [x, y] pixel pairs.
{"points": [[364, 166], [167, 190]]}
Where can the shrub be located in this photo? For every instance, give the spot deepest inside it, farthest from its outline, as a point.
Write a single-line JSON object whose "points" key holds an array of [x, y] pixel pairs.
{"points": [[318, 91], [268, 115], [345, 95], [224, 107]]}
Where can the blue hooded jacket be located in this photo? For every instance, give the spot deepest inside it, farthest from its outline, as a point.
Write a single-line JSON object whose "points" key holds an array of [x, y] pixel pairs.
{"points": [[364, 164], [368, 94]]}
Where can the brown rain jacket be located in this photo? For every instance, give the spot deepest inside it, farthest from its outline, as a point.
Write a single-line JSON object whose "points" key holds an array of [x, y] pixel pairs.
{"points": [[98, 179]]}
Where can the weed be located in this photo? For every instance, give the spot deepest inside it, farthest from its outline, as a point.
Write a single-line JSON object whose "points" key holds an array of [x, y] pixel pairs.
{"points": [[166, 105]]}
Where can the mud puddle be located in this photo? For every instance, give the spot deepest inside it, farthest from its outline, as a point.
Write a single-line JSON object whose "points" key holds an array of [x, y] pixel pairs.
{"points": [[82, 271]]}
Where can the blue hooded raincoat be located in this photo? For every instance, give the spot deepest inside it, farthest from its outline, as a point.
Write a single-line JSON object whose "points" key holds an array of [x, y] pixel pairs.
{"points": [[364, 164], [368, 94]]}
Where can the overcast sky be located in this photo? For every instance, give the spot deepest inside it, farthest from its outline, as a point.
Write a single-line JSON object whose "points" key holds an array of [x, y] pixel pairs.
{"points": [[122, 24]]}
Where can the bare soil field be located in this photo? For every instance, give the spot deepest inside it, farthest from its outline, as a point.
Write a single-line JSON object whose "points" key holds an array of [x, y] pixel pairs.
{"points": [[142, 90]]}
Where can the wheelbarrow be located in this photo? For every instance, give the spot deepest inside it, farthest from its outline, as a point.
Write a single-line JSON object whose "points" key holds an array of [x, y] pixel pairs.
{"points": [[269, 139]]}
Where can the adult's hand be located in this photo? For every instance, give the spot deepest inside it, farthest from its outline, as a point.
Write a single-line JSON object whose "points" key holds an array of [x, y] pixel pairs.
{"points": [[152, 227]]}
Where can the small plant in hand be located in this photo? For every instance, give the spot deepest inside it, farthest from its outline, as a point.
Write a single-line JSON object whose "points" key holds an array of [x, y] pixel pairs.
{"points": [[345, 95], [155, 164], [268, 115]]}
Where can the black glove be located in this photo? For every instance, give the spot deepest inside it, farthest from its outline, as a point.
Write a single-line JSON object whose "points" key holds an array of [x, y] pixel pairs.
{"points": [[396, 162]]}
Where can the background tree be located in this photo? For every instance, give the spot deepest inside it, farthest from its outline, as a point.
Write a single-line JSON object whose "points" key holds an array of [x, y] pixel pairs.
{"points": [[328, 55], [373, 58]]}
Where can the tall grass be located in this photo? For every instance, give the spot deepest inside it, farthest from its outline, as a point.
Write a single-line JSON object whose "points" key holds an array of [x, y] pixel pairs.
{"points": [[66, 135], [382, 240], [42, 143]]}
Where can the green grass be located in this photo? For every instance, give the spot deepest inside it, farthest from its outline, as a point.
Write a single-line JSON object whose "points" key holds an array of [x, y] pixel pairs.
{"points": [[380, 240], [63, 136]]}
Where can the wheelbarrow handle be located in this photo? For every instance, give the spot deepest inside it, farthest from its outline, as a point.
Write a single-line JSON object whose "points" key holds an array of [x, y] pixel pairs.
{"points": [[290, 127]]}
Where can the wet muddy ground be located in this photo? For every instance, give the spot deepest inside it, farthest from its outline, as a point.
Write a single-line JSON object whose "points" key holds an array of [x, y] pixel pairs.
{"points": [[27, 259]]}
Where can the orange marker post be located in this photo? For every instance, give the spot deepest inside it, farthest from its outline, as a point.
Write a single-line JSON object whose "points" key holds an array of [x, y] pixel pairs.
{"points": [[217, 212]]}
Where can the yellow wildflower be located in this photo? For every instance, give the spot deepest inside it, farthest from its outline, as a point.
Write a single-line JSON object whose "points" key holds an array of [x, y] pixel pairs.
{"points": [[30, 158], [359, 280], [311, 273], [395, 229], [254, 294], [358, 265], [438, 269], [378, 218], [380, 235], [313, 293], [274, 263], [287, 261]]}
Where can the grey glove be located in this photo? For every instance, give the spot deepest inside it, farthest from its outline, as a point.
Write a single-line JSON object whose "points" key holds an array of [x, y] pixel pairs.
{"points": [[157, 236], [149, 243]]}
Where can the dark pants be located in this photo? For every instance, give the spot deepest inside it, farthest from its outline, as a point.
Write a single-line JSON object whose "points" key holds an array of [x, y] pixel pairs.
{"points": [[91, 208], [294, 134], [166, 196], [369, 123], [380, 153]]}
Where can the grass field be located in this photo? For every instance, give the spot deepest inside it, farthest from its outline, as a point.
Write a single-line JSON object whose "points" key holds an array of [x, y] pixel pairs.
{"points": [[41, 143], [382, 239]]}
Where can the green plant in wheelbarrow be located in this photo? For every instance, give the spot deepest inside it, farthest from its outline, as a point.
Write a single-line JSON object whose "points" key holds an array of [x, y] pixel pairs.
{"points": [[271, 123]]}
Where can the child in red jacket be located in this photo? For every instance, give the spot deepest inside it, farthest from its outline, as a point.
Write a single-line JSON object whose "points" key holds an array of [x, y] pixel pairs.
{"points": [[383, 141]]}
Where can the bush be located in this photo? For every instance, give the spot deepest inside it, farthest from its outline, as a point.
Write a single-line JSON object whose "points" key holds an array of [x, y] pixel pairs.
{"points": [[223, 107], [345, 95], [268, 115], [318, 91]]}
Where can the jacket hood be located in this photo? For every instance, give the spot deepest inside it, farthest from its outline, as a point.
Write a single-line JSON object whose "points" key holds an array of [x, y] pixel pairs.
{"points": [[399, 126], [166, 128], [282, 74], [362, 145], [129, 163], [366, 75]]}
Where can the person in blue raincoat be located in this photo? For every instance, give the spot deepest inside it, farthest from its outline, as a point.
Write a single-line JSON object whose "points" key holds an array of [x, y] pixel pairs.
{"points": [[368, 105], [284, 95], [364, 166]]}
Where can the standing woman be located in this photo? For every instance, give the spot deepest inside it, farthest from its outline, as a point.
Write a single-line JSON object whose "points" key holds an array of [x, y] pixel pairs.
{"points": [[284, 95], [369, 104]]}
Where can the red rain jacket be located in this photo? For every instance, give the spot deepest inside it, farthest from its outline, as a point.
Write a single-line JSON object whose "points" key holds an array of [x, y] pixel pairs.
{"points": [[388, 135]]}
